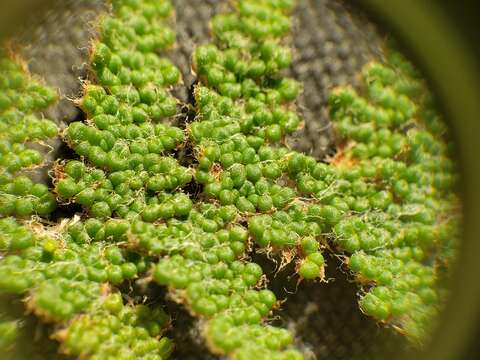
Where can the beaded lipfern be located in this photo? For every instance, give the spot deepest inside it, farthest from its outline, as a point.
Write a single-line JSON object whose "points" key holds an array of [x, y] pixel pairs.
{"points": [[70, 268], [399, 181], [385, 203], [21, 97]]}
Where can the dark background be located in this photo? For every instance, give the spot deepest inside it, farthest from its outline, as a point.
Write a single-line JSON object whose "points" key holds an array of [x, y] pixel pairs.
{"points": [[466, 17]]}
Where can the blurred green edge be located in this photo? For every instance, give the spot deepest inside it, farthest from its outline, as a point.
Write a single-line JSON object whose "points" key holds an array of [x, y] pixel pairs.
{"points": [[438, 48]]}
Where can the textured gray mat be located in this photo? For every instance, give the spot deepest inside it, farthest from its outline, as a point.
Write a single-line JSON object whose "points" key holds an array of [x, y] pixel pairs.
{"points": [[332, 43], [56, 46]]}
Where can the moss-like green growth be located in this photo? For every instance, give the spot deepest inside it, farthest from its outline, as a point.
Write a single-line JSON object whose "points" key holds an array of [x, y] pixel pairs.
{"points": [[385, 202], [399, 180], [113, 330], [63, 271], [68, 270], [21, 98]]}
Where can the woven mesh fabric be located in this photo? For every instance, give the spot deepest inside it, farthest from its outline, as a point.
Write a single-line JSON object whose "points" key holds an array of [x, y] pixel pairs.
{"points": [[331, 46], [56, 46], [332, 43]]}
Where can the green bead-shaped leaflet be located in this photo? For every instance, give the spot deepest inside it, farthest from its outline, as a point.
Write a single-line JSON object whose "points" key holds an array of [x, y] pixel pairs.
{"points": [[23, 96]]}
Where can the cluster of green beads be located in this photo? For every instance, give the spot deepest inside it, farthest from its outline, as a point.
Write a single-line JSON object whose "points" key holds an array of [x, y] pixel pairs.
{"points": [[386, 200], [392, 172], [126, 175], [63, 273], [244, 109], [127, 193], [21, 97], [130, 173], [203, 267], [123, 171], [397, 182], [113, 330], [125, 61]]}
